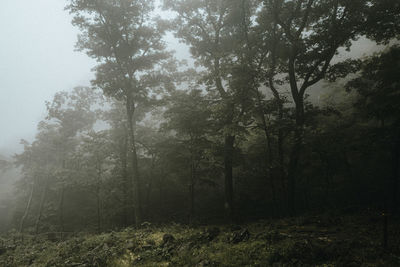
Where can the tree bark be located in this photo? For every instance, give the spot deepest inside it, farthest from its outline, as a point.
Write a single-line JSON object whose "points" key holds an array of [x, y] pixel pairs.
{"points": [[396, 175], [191, 189], [98, 196], [135, 167], [268, 152], [150, 186], [277, 96], [125, 179], [295, 154], [229, 140], [61, 209], [43, 198], [280, 148], [27, 208], [228, 163]]}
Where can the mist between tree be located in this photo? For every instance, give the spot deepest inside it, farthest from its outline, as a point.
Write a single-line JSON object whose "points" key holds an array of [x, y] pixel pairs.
{"points": [[270, 121]]}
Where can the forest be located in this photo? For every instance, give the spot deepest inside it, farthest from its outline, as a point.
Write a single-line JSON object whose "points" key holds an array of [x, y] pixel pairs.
{"points": [[271, 123]]}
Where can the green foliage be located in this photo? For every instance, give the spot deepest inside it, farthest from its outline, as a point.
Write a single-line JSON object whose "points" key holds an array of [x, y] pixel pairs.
{"points": [[309, 240], [379, 85], [240, 127], [127, 44]]}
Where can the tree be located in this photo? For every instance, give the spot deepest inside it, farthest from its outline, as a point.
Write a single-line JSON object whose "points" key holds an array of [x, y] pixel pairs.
{"points": [[47, 164], [96, 151], [308, 34], [189, 117], [116, 118], [208, 27], [378, 86], [121, 36]]}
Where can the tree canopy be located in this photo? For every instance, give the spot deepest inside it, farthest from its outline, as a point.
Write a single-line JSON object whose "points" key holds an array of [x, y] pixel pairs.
{"points": [[239, 136]]}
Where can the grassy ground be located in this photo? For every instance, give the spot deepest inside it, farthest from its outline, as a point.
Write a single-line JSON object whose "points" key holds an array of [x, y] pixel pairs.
{"points": [[302, 241]]}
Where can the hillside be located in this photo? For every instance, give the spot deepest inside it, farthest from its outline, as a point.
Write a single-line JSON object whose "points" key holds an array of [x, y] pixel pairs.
{"points": [[303, 241]]}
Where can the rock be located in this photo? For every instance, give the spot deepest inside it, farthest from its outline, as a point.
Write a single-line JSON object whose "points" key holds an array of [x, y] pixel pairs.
{"points": [[240, 236]]}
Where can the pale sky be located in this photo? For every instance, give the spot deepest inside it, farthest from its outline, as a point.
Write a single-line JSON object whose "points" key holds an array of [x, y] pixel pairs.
{"points": [[37, 59]]}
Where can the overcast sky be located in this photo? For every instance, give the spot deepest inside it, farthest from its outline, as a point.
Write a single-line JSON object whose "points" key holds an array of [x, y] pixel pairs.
{"points": [[37, 59]]}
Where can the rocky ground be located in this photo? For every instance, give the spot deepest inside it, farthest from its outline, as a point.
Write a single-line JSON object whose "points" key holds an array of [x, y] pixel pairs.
{"points": [[354, 240]]}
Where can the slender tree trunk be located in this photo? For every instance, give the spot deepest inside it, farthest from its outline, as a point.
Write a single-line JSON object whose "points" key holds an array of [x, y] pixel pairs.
{"points": [[125, 179], [191, 189], [150, 186], [39, 217], [161, 193], [268, 152], [135, 166], [229, 140], [280, 148], [396, 175], [347, 164], [275, 209], [27, 208], [295, 154], [327, 173], [61, 210], [228, 162], [271, 84], [98, 196], [306, 192]]}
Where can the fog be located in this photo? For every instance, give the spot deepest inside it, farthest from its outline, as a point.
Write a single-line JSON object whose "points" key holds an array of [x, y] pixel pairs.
{"points": [[278, 142], [37, 59]]}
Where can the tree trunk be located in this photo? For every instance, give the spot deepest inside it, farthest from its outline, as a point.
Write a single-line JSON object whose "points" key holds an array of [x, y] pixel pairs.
{"points": [[327, 174], [41, 209], [228, 162], [161, 193], [125, 179], [277, 96], [268, 152], [98, 196], [27, 208], [135, 167], [191, 189], [295, 154], [61, 210], [281, 166], [150, 186], [396, 175], [229, 140]]}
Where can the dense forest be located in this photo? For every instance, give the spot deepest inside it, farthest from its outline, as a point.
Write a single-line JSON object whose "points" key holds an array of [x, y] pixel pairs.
{"points": [[270, 118]]}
